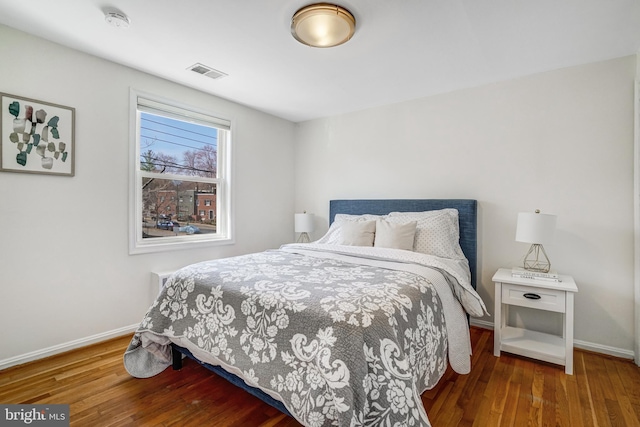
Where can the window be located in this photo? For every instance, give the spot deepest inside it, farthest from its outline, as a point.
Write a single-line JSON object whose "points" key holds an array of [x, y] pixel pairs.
{"points": [[180, 156]]}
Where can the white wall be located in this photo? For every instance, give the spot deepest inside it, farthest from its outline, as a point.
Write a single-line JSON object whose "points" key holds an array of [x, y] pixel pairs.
{"points": [[559, 141], [65, 272]]}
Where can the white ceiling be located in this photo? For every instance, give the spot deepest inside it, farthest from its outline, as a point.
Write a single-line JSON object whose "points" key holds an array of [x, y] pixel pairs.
{"points": [[402, 49]]}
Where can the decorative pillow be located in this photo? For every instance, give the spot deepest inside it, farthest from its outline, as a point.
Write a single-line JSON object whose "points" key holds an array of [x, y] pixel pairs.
{"points": [[363, 217], [358, 233], [334, 235], [395, 235], [437, 232]]}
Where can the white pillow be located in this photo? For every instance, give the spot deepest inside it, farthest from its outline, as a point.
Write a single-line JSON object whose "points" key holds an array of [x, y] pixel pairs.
{"points": [[363, 217], [394, 235], [334, 235], [437, 232], [358, 233]]}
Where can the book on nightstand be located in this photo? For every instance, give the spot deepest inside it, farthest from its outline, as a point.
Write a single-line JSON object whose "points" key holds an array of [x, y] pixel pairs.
{"points": [[520, 272]]}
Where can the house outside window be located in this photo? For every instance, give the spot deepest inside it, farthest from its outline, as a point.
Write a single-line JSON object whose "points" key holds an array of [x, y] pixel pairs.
{"points": [[180, 156]]}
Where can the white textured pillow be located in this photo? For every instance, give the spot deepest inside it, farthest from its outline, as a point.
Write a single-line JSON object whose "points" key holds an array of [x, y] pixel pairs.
{"points": [[334, 234], [358, 233], [437, 232], [363, 217], [395, 235]]}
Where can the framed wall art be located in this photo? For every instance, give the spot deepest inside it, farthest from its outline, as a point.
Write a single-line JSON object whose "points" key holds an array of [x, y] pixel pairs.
{"points": [[36, 136]]}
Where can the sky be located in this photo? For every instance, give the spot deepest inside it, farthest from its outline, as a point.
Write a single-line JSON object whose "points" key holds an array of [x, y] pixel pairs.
{"points": [[174, 137]]}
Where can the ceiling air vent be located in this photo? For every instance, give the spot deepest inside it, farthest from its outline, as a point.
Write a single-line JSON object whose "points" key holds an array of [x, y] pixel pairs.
{"points": [[207, 71]]}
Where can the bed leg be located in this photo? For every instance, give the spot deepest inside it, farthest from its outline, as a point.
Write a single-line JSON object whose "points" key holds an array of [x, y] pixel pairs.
{"points": [[177, 358]]}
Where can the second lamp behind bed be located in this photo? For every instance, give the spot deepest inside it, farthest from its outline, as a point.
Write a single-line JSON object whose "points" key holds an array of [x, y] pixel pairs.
{"points": [[303, 224]]}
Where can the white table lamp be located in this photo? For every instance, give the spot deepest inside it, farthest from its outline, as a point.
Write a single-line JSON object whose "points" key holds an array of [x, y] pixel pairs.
{"points": [[304, 226], [538, 229]]}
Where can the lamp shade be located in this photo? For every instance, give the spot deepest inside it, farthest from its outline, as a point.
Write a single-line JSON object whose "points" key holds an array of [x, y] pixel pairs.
{"points": [[303, 223], [535, 227]]}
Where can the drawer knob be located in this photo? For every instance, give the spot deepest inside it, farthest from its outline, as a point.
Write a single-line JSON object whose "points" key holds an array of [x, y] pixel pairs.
{"points": [[531, 296]]}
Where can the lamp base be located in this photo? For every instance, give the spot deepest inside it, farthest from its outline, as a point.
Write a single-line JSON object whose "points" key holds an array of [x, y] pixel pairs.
{"points": [[303, 238], [536, 259]]}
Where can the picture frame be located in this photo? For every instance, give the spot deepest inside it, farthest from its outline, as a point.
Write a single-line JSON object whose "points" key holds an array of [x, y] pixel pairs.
{"points": [[36, 136]]}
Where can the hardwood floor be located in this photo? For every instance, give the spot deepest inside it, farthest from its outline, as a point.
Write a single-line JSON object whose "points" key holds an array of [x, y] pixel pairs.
{"points": [[505, 391]]}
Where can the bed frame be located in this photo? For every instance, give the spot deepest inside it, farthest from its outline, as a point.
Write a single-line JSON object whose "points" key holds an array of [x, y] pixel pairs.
{"points": [[467, 214]]}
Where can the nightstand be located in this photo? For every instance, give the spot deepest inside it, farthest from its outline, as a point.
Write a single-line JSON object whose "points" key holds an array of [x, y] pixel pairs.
{"points": [[540, 295]]}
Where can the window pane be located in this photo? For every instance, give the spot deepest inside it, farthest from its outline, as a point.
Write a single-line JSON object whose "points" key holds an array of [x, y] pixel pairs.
{"points": [[182, 192], [169, 208], [174, 146]]}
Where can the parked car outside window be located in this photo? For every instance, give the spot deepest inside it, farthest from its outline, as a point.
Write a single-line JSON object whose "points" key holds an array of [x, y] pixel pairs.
{"points": [[168, 225]]}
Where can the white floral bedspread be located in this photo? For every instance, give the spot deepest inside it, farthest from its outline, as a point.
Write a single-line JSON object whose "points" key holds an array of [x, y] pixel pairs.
{"points": [[337, 341]]}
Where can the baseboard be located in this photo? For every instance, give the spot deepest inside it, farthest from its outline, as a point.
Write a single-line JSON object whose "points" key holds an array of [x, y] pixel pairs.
{"points": [[584, 345], [604, 349], [61, 348], [484, 324]]}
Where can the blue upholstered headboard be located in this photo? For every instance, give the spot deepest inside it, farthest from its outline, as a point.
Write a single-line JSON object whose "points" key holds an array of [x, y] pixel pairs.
{"points": [[467, 216]]}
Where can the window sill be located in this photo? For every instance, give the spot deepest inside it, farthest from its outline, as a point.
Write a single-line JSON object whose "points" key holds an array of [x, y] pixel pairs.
{"points": [[176, 243]]}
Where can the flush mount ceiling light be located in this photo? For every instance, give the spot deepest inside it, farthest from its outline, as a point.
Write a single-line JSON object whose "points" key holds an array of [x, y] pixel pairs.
{"points": [[117, 19], [323, 25]]}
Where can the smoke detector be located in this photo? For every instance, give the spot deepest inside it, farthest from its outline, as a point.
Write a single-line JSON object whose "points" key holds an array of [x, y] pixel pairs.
{"points": [[207, 71], [117, 19]]}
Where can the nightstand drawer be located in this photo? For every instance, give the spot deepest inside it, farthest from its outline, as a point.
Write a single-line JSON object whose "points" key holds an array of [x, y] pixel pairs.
{"points": [[539, 298]]}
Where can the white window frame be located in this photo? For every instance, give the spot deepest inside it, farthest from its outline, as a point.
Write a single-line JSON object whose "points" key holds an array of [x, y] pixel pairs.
{"points": [[225, 225]]}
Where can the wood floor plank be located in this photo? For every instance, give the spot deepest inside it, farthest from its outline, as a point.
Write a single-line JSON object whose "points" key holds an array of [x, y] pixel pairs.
{"points": [[525, 399], [598, 387], [626, 408], [505, 391], [515, 385], [496, 393], [549, 400], [562, 406], [576, 412]]}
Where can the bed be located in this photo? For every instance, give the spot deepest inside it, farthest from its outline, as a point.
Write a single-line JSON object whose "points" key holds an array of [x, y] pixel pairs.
{"points": [[348, 330]]}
